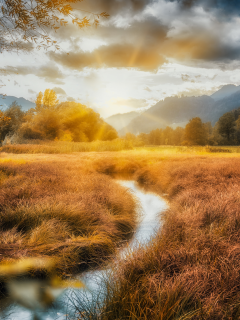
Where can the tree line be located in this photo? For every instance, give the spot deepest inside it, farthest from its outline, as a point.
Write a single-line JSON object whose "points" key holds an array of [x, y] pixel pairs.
{"points": [[225, 132], [51, 120]]}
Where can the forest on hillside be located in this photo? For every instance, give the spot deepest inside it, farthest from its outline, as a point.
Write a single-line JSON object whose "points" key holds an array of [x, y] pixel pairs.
{"points": [[225, 132]]}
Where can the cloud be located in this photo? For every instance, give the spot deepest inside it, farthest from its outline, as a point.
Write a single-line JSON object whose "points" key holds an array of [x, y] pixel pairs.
{"points": [[155, 36], [147, 89], [132, 103], [49, 72], [190, 92], [112, 56], [31, 91], [70, 99], [225, 6], [188, 78], [59, 90], [201, 45], [113, 7], [136, 46]]}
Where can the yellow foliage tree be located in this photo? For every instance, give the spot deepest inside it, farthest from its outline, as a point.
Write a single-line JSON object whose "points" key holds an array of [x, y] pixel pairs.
{"points": [[39, 101], [67, 121], [47, 101], [50, 98], [24, 22], [4, 122]]}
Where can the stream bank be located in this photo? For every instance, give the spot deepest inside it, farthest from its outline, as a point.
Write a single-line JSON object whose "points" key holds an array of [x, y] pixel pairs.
{"points": [[77, 301]]}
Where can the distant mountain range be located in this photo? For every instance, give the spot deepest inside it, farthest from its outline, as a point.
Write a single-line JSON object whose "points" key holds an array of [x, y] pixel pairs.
{"points": [[6, 101], [174, 111], [225, 92]]}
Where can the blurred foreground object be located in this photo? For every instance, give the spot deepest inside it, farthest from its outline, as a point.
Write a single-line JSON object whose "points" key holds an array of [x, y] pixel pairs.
{"points": [[33, 283]]}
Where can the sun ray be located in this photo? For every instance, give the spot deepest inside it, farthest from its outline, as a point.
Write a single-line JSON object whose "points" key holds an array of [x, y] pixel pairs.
{"points": [[136, 52]]}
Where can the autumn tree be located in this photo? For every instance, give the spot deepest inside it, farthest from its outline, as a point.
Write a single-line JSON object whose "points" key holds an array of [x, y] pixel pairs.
{"points": [[226, 125], [66, 121], [39, 101], [178, 136], [47, 101], [195, 132], [23, 22], [155, 137], [4, 123], [11, 120]]}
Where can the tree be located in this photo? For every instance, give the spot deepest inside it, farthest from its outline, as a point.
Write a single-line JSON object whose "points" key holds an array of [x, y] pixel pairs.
{"points": [[226, 125], [11, 120], [39, 101], [23, 22], [178, 136], [4, 122], [50, 99], [67, 121], [195, 132], [47, 101]]}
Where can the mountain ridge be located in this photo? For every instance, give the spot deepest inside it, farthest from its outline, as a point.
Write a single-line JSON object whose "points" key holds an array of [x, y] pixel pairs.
{"points": [[6, 101], [174, 110]]}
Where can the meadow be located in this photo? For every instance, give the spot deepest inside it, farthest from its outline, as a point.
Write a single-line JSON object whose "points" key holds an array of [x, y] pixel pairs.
{"points": [[61, 147], [191, 268], [63, 210]]}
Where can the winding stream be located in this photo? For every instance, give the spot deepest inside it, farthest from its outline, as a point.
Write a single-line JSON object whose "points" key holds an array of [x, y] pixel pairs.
{"points": [[149, 223]]}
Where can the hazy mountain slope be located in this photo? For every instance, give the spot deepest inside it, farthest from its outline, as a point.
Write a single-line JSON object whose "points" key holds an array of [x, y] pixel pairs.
{"points": [[181, 110], [225, 105], [6, 101], [120, 120], [225, 92], [171, 110]]}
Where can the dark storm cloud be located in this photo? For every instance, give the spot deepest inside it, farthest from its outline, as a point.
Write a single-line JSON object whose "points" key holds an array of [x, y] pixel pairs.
{"points": [[225, 6]]}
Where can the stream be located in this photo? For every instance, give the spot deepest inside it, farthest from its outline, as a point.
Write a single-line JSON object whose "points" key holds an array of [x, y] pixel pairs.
{"points": [[149, 223]]}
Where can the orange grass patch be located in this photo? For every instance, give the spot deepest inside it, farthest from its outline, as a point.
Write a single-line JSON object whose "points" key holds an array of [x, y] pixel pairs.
{"points": [[192, 269], [64, 210]]}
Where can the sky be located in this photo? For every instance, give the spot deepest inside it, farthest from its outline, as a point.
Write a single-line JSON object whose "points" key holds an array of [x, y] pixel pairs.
{"points": [[145, 51]]}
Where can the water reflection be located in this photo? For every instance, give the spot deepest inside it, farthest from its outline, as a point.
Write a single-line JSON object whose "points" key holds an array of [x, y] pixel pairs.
{"points": [[73, 301]]}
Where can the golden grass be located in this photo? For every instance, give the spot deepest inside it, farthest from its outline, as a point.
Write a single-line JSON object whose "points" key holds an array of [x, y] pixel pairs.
{"points": [[64, 210], [58, 147], [192, 269]]}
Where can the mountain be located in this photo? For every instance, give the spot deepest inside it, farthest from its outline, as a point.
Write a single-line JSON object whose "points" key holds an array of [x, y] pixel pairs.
{"points": [[168, 112], [225, 91], [6, 101], [176, 110], [121, 120], [224, 105]]}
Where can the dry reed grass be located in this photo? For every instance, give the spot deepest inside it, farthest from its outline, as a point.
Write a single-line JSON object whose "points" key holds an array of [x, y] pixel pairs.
{"points": [[192, 269], [63, 210], [58, 147]]}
